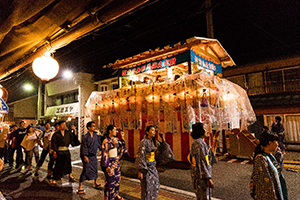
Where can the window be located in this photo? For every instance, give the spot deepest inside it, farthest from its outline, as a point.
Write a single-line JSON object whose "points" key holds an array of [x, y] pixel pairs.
{"points": [[114, 86], [96, 87], [103, 88], [65, 99], [255, 83], [275, 81], [240, 80], [292, 79], [58, 101]]}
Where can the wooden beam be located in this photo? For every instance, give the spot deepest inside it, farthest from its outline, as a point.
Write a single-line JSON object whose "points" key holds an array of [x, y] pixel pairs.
{"points": [[118, 9]]}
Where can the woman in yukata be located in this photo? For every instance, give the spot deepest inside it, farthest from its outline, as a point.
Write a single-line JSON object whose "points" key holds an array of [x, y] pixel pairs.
{"points": [[148, 152], [267, 180], [201, 158], [113, 150]]}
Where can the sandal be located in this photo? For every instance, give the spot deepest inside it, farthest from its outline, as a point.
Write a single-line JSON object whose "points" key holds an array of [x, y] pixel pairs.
{"points": [[119, 197], [53, 184], [71, 179], [81, 191], [98, 186]]}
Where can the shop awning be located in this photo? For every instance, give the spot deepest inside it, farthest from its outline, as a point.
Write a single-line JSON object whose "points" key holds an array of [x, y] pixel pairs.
{"points": [[63, 110]]}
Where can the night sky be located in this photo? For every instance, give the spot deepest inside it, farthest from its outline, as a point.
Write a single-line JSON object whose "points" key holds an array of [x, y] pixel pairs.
{"points": [[250, 31]]}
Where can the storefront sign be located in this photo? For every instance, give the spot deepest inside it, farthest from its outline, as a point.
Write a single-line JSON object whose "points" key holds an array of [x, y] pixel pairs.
{"points": [[66, 109], [156, 65], [172, 61], [205, 63]]}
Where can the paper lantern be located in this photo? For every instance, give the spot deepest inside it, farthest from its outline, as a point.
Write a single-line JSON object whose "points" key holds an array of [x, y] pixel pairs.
{"points": [[169, 97], [152, 98], [135, 99], [3, 93], [185, 95], [122, 101], [45, 67]]}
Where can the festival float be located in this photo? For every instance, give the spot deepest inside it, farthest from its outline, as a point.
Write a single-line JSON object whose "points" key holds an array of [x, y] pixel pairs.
{"points": [[172, 88]]}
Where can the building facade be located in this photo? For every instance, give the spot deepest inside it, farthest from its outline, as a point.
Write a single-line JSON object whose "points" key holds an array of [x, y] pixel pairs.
{"points": [[65, 99], [22, 110], [273, 88]]}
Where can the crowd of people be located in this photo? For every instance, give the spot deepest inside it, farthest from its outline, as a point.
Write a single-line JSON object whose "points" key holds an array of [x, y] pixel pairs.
{"points": [[267, 180], [55, 142]]}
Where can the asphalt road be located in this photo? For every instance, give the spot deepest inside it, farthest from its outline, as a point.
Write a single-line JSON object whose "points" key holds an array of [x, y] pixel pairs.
{"points": [[231, 181]]}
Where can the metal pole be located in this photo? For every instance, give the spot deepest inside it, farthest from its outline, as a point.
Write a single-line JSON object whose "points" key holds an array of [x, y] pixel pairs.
{"points": [[40, 100]]}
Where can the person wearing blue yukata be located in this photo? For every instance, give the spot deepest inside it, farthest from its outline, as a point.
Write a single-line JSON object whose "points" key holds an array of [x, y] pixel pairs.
{"points": [[149, 152], [201, 158], [267, 180], [113, 150], [90, 143]]}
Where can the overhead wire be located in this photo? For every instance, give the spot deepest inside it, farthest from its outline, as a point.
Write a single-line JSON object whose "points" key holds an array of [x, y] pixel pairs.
{"points": [[144, 31], [265, 31]]}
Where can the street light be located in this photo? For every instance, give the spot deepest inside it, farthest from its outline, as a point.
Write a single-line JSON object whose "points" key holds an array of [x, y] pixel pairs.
{"points": [[27, 87], [68, 74]]}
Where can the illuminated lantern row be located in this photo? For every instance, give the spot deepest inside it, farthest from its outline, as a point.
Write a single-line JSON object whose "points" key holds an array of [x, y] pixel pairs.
{"points": [[197, 97]]}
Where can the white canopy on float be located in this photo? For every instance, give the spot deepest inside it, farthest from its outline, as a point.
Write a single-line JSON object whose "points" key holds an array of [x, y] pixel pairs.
{"points": [[199, 97]]}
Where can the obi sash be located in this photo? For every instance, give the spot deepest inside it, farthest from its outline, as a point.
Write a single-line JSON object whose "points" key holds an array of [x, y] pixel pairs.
{"points": [[113, 153], [150, 157], [63, 148]]}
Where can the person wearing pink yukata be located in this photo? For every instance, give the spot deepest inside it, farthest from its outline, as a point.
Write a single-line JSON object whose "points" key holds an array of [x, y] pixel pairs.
{"points": [[113, 150]]}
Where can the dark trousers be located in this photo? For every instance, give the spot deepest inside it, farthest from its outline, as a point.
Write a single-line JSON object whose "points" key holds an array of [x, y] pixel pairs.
{"points": [[19, 159], [1, 153], [43, 156], [51, 162], [280, 142], [11, 152], [6, 155]]}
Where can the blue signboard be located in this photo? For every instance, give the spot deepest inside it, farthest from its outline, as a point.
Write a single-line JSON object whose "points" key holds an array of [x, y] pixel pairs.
{"points": [[171, 61], [205, 63], [156, 65], [3, 107]]}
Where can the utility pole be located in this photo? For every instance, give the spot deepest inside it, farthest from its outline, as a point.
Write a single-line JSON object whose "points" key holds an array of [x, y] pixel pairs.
{"points": [[40, 103], [209, 19]]}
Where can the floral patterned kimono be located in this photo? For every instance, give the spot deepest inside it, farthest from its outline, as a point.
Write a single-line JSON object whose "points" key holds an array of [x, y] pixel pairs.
{"points": [[267, 181], [201, 158], [147, 155], [113, 150]]}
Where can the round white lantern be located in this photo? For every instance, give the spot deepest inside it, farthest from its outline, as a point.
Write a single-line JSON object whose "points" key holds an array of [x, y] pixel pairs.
{"points": [[1, 93], [45, 67]]}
